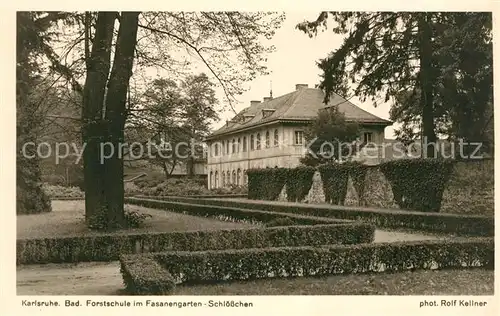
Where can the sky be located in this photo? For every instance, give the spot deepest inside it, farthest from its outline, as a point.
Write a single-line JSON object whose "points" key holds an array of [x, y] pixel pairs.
{"points": [[293, 62]]}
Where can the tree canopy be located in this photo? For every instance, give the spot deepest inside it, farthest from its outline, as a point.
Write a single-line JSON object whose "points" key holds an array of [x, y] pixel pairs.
{"points": [[435, 68], [330, 137]]}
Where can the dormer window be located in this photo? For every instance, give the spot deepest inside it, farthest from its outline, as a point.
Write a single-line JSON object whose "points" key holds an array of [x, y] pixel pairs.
{"points": [[248, 117], [267, 112]]}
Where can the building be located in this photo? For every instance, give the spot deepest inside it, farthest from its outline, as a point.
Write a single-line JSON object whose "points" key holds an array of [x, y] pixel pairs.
{"points": [[135, 169], [196, 168], [271, 134]]}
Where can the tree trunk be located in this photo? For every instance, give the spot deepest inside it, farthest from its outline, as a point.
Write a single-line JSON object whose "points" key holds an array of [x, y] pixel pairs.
{"points": [[115, 117], [190, 167], [93, 128], [164, 166], [426, 85]]}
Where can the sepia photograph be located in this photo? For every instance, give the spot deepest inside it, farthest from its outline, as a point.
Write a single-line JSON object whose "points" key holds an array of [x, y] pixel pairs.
{"points": [[216, 153]]}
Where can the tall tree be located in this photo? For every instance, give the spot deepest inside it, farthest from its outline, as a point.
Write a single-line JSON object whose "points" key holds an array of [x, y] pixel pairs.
{"points": [[390, 53], [32, 33], [227, 43], [177, 114], [103, 115]]}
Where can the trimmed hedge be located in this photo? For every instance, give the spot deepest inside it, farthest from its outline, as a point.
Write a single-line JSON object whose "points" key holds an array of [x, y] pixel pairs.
{"points": [[266, 183], [357, 172], [334, 177], [259, 216], [298, 183], [251, 264], [144, 276], [108, 247], [464, 225], [418, 184]]}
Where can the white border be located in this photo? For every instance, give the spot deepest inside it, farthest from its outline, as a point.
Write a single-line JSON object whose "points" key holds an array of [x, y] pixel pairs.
{"points": [[10, 304]]}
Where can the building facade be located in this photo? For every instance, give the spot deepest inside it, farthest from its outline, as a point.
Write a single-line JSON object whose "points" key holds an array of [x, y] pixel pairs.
{"points": [[271, 134]]}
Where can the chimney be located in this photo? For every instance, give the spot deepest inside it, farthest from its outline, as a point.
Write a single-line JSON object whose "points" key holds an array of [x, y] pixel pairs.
{"points": [[300, 86], [267, 99], [252, 103]]}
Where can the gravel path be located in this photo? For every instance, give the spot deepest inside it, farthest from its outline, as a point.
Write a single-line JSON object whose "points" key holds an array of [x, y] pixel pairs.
{"points": [[89, 278]]}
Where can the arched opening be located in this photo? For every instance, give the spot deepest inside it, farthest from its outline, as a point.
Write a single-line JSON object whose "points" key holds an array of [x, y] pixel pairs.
{"points": [[276, 137], [238, 177], [216, 179]]}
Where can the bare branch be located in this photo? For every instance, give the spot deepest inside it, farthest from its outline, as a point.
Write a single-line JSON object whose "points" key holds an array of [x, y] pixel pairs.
{"points": [[198, 52]]}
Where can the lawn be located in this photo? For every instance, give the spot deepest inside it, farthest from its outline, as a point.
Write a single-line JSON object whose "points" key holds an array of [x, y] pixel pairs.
{"points": [[425, 282], [67, 219]]}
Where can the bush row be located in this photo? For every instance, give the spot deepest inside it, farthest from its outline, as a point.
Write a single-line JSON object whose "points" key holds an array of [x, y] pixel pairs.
{"points": [[144, 276], [156, 184], [59, 191], [110, 246], [250, 264], [417, 184], [464, 225]]}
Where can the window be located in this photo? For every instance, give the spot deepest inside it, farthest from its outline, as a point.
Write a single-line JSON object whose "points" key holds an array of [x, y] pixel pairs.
{"points": [[244, 143], [227, 147], [276, 137], [252, 144], [223, 179], [211, 184], [258, 141], [268, 142], [216, 179], [299, 137], [228, 178], [216, 148], [238, 177], [244, 176], [234, 146], [238, 145], [367, 138], [234, 177]]}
